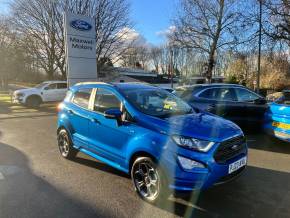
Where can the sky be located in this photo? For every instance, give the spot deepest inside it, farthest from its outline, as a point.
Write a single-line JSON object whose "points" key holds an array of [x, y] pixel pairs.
{"points": [[4, 6], [151, 18]]}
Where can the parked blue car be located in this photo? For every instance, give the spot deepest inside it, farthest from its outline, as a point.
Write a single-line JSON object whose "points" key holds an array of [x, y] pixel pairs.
{"points": [[231, 101], [277, 118], [151, 134]]}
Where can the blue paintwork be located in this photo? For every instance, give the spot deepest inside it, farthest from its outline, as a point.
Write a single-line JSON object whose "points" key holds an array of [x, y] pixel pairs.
{"points": [[278, 113], [115, 144]]}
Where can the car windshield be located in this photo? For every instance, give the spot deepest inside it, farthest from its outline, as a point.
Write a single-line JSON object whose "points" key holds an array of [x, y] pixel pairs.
{"points": [[181, 91], [41, 85], [156, 102], [285, 99]]}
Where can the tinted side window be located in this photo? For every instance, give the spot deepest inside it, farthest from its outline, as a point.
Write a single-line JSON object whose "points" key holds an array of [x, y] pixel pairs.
{"points": [[62, 86], [245, 95], [82, 97], [105, 100], [50, 87], [185, 94], [226, 94], [208, 93]]}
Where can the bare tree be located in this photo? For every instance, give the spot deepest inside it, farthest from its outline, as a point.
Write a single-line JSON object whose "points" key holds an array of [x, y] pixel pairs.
{"points": [[5, 46], [41, 24], [155, 55], [137, 56], [15, 63], [208, 26], [277, 23]]}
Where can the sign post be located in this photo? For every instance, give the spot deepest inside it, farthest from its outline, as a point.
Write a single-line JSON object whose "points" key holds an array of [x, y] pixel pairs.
{"points": [[80, 48]]}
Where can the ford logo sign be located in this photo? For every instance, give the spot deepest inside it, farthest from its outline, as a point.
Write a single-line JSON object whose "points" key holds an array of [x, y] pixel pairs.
{"points": [[235, 147], [81, 25]]}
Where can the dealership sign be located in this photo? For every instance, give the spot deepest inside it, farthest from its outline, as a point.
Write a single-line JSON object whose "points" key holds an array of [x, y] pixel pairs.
{"points": [[80, 48]]}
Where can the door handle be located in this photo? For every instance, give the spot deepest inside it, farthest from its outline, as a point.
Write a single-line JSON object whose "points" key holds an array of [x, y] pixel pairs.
{"points": [[210, 107], [70, 111], [94, 120]]}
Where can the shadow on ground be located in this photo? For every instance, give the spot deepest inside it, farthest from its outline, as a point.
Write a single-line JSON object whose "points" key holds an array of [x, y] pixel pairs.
{"points": [[266, 142], [258, 193], [99, 166], [10, 111], [23, 194]]}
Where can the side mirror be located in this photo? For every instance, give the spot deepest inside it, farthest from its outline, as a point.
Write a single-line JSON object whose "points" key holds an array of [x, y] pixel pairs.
{"points": [[260, 101], [113, 114]]}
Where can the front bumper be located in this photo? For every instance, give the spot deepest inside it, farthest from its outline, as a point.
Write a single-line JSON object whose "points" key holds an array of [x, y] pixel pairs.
{"points": [[278, 132], [282, 134], [17, 99], [200, 178]]}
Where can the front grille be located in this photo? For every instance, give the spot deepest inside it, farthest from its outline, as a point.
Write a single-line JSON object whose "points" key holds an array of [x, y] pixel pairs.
{"points": [[230, 149]]}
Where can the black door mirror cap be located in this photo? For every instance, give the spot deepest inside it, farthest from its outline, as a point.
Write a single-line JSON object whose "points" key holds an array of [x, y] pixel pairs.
{"points": [[113, 114], [260, 101]]}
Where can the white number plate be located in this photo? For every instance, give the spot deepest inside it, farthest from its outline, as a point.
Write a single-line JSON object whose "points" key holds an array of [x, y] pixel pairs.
{"points": [[237, 165]]}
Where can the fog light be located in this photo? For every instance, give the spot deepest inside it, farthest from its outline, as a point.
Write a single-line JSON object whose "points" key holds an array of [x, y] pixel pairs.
{"points": [[189, 164]]}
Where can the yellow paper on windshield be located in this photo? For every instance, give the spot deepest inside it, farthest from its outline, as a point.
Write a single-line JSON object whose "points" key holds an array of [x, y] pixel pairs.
{"points": [[168, 105]]}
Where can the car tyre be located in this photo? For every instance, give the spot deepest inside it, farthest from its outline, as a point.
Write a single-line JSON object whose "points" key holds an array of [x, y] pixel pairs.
{"points": [[33, 101], [149, 181], [65, 145]]}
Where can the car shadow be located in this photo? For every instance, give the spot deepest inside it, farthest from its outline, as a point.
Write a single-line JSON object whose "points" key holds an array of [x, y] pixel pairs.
{"points": [[266, 142], [11, 111], [24, 194], [258, 193], [99, 166]]}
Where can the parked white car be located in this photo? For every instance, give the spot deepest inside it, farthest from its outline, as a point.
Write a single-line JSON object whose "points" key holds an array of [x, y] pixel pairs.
{"points": [[47, 91]]}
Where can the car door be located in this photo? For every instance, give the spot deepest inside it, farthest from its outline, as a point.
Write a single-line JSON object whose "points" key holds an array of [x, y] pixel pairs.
{"points": [[221, 101], [228, 106], [107, 138], [255, 105], [48, 93], [204, 100], [78, 116], [61, 91]]}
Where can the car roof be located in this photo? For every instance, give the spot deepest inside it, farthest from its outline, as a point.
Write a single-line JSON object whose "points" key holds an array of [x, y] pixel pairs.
{"points": [[121, 86], [211, 85], [54, 81], [135, 85]]}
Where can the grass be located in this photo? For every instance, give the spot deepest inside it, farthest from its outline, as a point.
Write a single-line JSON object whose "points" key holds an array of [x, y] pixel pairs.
{"points": [[5, 98], [25, 84]]}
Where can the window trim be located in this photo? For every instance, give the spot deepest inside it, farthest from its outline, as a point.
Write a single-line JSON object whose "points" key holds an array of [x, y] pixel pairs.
{"points": [[92, 102], [57, 84], [197, 94], [248, 91], [50, 84], [90, 99], [94, 98]]}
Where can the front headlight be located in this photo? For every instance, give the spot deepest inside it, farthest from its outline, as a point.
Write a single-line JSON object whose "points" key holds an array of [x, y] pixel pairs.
{"points": [[191, 143]]}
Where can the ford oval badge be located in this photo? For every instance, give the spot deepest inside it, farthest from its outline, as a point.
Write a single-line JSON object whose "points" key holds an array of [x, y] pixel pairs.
{"points": [[81, 25]]}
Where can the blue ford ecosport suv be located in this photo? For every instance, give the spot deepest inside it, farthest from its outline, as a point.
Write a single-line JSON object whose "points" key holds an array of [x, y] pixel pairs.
{"points": [[151, 134]]}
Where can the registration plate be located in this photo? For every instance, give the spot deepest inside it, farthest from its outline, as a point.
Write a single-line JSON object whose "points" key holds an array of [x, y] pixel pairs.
{"points": [[237, 165], [281, 125]]}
